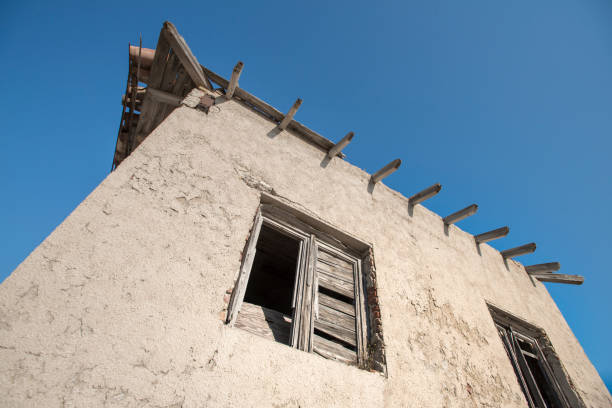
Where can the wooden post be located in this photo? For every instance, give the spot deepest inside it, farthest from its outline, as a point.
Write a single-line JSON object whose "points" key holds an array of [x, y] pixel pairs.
{"points": [[424, 195], [461, 214], [560, 278], [491, 235], [184, 54], [543, 268], [229, 93], [518, 251], [289, 116], [385, 171], [340, 145]]}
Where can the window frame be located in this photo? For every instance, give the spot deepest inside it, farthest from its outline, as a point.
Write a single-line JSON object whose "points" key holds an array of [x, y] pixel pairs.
{"points": [[313, 236], [511, 330]]}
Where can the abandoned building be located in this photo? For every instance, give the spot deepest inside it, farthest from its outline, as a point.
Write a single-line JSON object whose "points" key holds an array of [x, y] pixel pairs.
{"points": [[234, 257]]}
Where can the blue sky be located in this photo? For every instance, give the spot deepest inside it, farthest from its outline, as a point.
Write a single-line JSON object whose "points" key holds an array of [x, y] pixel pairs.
{"points": [[507, 104]]}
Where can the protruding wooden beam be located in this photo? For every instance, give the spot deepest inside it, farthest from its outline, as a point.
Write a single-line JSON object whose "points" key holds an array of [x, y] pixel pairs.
{"points": [[385, 171], [340, 145], [233, 83], [461, 214], [518, 251], [289, 116], [543, 268], [184, 54], [163, 97], [424, 195], [560, 278], [491, 235]]}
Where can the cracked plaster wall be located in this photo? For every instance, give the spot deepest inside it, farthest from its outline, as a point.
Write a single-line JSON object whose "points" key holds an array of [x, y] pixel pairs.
{"points": [[122, 304]]}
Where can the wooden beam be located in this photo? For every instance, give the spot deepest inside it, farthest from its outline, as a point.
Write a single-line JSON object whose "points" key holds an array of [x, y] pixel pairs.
{"points": [[461, 214], [233, 83], [491, 235], [385, 171], [289, 116], [560, 278], [518, 251], [424, 195], [340, 145], [184, 54], [543, 268], [164, 97]]}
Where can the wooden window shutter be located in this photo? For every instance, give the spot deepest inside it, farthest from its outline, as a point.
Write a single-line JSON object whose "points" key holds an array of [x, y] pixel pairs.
{"points": [[335, 333]]}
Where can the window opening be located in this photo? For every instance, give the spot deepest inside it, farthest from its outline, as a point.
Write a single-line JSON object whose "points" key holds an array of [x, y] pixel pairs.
{"points": [[543, 387], [304, 288], [273, 273]]}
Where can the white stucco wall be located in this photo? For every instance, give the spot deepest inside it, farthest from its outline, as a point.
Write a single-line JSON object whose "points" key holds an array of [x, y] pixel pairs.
{"points": [[121, 305]]}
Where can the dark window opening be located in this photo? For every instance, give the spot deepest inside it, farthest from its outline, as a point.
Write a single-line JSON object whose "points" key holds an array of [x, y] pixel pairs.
{"points": [[273, 273], [536, 380]]}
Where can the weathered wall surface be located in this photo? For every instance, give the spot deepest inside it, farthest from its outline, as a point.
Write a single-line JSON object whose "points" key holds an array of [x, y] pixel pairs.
{"points": [[121, 304]]}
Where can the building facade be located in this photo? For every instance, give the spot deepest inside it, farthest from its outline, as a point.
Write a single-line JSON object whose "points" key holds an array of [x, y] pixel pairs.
{"points": [[228, 260]]}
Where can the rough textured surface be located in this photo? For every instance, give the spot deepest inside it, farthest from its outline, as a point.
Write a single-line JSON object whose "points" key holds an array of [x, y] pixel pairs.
{"points": [[121, 304]]}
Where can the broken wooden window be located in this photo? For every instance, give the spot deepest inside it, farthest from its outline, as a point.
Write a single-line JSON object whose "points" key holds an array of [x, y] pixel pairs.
{"points": [[536, 365], [303, 284]]}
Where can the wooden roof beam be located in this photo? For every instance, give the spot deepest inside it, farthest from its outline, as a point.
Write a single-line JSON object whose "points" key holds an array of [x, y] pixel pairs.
{"points": [[385, 171], [424, 195], [340, 145], [543, 268], [491, 235], [184, 54], [461, 214], [518, 251], [289, 116], [163, 97], [233, 83], [560, 278]]}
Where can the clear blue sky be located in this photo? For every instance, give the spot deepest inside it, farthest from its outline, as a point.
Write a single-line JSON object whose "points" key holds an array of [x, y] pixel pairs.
{"points": [[507, 104]]}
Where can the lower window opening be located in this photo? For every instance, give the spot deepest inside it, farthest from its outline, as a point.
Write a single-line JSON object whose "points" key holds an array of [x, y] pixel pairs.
{"points": [[268, 296]]}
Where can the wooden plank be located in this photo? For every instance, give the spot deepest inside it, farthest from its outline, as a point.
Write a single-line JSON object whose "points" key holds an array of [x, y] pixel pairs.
{"points": [[183, 84], [461, 214], [233, 83], [340, 145], [325, 300], [333, 351], [340, 333], [560, 278], [335, 266], [289, 116], [189, 61], [336, 317], [159, 61], [424, 195], [306, 330], [518, 251], [491, 235], [334, 260], [543, 268], [340, 273], [264, 322], [385, 171], [245, 270], [336, 285]]}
